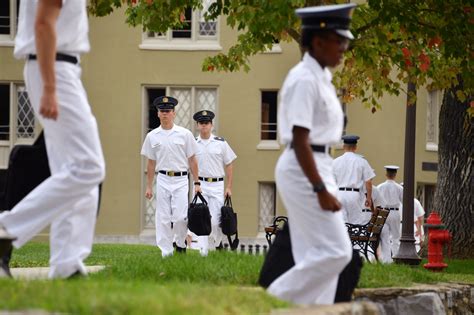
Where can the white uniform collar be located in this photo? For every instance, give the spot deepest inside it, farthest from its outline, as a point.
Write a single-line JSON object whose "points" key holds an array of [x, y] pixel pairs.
{"points": [[316, 67], [211, 138], [157, 130]]}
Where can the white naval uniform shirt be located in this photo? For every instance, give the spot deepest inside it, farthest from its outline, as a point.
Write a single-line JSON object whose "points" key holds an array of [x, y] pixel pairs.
{"points": [[418, 211], [71, 28], [309, 100], [377, 197], [171, 149], [213, 155], [352, 170], [392, 192]]}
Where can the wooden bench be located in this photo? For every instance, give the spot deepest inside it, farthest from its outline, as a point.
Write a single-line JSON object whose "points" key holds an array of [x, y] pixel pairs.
{"points": [[273, 229], [366, 238]]}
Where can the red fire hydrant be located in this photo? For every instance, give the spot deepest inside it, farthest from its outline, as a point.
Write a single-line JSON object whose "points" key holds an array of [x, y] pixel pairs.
{"points": [[437, 237]]}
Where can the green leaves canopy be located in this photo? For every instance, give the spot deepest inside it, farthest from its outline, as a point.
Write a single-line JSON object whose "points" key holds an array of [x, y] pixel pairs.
{"points": [[427, 41]]}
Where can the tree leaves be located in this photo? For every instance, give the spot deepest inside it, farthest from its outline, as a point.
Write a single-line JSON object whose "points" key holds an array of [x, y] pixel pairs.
{"points": [[428, 41]]}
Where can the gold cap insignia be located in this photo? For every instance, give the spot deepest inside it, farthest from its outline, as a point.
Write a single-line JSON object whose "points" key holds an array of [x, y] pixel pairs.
{"points": [[322, 25], [204, 113], [165, 100]]}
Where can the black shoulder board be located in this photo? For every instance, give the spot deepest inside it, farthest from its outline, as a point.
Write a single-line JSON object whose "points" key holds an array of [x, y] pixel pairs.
{"points": [[219, 138]]}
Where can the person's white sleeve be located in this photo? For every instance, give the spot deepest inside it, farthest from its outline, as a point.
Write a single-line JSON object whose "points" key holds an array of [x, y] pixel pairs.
{"points": [[301, 100], [147, 150], [367, 172], [191, 145], [229, 154], [400, 193], [418, 209]]}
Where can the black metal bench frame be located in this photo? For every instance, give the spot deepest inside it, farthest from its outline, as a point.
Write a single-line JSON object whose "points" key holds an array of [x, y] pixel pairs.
{"points": [[273, 229], [366, 238]]}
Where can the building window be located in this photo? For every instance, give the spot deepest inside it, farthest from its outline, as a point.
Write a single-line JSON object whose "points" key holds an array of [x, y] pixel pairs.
{"points": [[267, 205], [17, 119], [25, 127], [435, 99], [190, 100], [268, 121], [195, 34], [8, 21], [4, 112]]}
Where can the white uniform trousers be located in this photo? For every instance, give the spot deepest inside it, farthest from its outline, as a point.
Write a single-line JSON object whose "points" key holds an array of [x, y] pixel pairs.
{"points": [[386, 247], [352, 204], [319, 239], [391, 232], [68, 199], [213, 192], [171, 207]]}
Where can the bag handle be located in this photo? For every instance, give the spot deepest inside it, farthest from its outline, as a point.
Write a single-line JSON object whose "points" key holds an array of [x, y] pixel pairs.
{"points": [[200, 196], [228, 201]]}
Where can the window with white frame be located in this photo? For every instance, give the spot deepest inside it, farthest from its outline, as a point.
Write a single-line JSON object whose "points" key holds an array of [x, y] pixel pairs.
{"points": [[267, 204], [8, 21], [268, 121], [195, 34], [17, 120], [435, 99], [190, 100]]}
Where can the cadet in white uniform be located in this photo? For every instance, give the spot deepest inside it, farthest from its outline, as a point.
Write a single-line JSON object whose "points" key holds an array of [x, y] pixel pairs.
{"points": [[392, 192], [215, 158], [170, 150], [310, 119], [419, 215], [352, 173], [51, 36]]}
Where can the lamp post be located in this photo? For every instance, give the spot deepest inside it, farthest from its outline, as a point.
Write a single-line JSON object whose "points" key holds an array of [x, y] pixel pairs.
{"points": [[407, 253]]}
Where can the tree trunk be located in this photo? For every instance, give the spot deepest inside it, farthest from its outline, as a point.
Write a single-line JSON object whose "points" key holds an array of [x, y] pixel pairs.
{"points": [[454, 194]]}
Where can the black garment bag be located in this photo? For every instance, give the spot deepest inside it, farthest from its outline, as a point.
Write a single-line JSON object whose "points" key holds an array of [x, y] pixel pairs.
{"points": [[199, 217], [228, 223]]}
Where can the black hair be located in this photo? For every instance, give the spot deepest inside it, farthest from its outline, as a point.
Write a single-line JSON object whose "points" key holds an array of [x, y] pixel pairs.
{"points": [[391, 173], [308, 34]]}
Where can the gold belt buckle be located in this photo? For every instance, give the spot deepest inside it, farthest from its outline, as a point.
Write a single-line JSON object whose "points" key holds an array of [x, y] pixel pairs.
{"points": [[170, 173], [209, 179]]}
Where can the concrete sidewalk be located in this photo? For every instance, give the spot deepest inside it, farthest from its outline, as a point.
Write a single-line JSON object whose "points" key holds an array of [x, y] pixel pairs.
{"points": [[41, 273]]}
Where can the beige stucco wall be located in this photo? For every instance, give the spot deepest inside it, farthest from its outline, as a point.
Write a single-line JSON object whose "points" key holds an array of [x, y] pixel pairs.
{"points": [[115, 72]]}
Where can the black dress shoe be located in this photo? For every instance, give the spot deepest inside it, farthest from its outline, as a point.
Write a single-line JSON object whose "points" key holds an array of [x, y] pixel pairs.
{"points": [[5, 246], [5, 270], [181, 250], [76, 275]]}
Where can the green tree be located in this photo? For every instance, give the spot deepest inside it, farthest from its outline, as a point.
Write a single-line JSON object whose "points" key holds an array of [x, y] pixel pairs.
{"points": [[426, 42]]}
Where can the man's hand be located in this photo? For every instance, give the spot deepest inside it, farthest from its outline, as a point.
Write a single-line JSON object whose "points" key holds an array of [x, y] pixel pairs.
{"points": [[328, 202], [49, 105], [148, 193], [228, 192], [197, 188], [368, 203]]}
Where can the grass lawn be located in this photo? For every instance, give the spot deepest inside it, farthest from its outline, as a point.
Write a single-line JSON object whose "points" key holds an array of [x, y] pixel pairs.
{"points": [[138, 281]]}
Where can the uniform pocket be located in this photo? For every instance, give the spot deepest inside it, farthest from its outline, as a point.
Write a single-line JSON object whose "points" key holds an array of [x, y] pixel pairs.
{"points": [[155, 144], [178, 142]]}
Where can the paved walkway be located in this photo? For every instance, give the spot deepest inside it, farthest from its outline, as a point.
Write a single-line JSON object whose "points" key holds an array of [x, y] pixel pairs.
{"points": [[39, 273]]}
